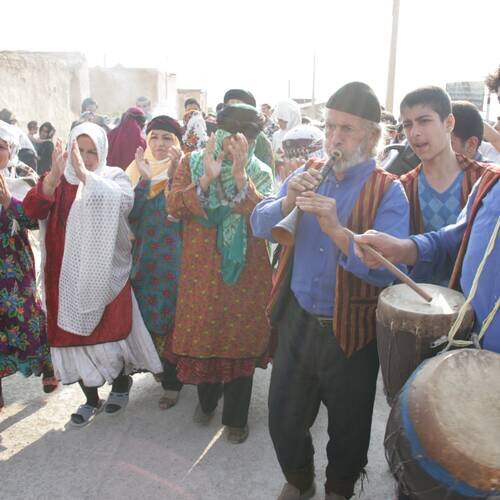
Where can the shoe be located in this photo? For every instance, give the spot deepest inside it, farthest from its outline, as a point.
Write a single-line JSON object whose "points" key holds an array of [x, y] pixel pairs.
{"points": [[290, 492], [237, 435], [85, 414], [200, 417], [168, 399], [334, 496], [117, 401], [49, 384]]}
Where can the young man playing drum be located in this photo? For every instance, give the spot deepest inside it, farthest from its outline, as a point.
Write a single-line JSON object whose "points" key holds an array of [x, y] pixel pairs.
{"points": [[472, 243], [325, 314], [438, 187], [464, 243]]}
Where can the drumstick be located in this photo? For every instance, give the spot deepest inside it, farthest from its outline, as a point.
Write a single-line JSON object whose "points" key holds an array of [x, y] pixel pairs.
{"points": [[391, 267]]}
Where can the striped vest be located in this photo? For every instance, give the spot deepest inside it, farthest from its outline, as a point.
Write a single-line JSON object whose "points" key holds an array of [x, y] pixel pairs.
{"points": [[489, 178], [472, 171], [354, 322]]}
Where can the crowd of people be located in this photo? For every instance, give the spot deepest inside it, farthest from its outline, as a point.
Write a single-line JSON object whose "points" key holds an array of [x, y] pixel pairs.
{"points": [[158, 255]]}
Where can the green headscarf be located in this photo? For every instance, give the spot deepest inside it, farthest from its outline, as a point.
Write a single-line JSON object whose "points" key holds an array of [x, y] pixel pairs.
{"points": [[231, 227]]}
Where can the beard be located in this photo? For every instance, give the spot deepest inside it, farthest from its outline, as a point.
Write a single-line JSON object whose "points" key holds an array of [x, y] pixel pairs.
{"points": [[347, 162]]}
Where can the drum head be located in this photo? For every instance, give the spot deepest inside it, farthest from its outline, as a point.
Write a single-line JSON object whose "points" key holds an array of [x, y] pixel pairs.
{"points": [[402, 298], [453, 404], [403, 309]]}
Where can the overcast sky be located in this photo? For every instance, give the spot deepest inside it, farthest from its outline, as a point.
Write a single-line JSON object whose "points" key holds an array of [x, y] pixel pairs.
{"points": [[261, 45]]}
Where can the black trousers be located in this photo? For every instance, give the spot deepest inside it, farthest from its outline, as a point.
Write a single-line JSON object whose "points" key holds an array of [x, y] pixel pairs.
{"points": [[237, 394], [169, 380], [309, 367]]}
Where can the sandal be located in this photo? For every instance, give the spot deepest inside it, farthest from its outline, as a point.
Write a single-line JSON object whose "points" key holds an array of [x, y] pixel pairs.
{"points": [[117, 401], [168, 399], [85, 414], [49, 384]]}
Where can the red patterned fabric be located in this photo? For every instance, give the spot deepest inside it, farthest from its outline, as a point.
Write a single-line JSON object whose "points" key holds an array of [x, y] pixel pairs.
{"points": [[221, 331], [116, 321]]}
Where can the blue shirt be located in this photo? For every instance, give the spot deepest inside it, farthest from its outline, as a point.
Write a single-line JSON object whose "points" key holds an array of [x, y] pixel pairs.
{"points": [[439, 209], [438, 248], [316, 256]]}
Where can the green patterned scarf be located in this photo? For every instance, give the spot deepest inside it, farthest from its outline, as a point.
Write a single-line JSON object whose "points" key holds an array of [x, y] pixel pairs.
{"points": [[231, 227]]}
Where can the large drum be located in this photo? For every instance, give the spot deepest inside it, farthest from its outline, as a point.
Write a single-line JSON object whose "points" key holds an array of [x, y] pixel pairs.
{"points": [[407, 325], [442, 439]]}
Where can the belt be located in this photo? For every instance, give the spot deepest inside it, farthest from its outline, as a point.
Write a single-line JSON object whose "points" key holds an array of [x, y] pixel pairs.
{"points": [[324, 321]]}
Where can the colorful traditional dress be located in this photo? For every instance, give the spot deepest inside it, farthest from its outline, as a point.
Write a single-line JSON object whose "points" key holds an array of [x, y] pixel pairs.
{"points": [[221, 331], [23, 337], [156, 261]]}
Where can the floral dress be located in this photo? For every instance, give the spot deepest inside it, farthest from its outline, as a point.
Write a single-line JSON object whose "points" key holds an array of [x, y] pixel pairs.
{"points": [[23, 336], [156, 262]]}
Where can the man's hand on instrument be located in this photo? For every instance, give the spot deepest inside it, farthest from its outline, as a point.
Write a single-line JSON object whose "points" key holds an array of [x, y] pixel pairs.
{"points": [[394, 249], [301, 183], [324, 208]]}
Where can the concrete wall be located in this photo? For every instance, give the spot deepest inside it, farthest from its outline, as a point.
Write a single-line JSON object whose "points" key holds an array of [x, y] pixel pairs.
{"points": [[43, 87], [116, 89], [51, 86]]}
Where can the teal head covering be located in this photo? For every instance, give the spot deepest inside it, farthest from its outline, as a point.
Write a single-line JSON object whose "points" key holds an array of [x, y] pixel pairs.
{"points": [[221, 198]]}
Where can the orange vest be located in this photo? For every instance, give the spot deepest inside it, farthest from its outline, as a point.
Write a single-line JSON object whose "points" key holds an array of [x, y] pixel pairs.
{"points": [[472, 171], [354, 322], [489, 178]]}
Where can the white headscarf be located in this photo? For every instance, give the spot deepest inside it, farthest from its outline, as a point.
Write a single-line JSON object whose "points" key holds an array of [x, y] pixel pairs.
{"points": [[288, 111], [18, 185], [10, 135], [97, 250], [310, 135], [99, 138]]}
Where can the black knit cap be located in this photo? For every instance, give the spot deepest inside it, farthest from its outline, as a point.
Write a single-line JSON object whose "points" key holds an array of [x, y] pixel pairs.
{"points": [[240, 118], [358, 99], [164, 122], [244, 96]]}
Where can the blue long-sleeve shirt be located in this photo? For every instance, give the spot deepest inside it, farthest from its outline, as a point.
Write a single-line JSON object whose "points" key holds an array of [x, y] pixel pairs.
{"points": [[437, 248], [316, 256]]}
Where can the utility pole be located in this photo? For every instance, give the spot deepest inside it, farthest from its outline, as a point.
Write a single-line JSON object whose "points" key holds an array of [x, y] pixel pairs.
{"points": [[391, 76]]}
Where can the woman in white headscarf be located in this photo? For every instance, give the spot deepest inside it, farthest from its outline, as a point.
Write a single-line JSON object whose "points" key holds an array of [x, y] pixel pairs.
{"points": [[95, 329], [23, 337], [299, 144], [287, 114]]}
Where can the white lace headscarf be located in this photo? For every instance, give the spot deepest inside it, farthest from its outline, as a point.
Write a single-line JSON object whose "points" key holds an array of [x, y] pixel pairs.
{"points": [[97, 250]]}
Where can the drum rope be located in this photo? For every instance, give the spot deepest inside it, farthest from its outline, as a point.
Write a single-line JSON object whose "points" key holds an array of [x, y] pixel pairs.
{"points": [[463, 310]]}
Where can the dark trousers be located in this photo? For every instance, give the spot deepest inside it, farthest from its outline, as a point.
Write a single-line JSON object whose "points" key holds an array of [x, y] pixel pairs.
{"points": [[169, 380], [309, 367], [237, 394]]}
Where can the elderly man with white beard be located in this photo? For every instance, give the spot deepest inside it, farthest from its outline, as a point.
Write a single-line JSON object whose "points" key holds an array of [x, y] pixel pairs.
{"points": [[324, 306]]}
